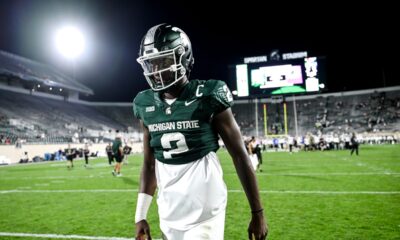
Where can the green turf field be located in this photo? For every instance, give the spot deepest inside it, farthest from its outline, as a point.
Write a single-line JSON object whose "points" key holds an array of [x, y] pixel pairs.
{"points": [[307, 195]]}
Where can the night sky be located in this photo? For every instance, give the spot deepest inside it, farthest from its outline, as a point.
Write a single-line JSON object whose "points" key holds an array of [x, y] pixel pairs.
{"points": [[359, 41]]}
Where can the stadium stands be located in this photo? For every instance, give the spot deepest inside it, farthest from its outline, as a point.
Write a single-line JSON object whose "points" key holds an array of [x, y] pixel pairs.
{"points": [[31, 73], [31, 113], [38, 119], [44, 120], [376, 110]]}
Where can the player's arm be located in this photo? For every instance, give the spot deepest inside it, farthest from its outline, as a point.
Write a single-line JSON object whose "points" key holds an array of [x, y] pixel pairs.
{"points": [[228, 129], [148, 186], [121, 150], [250, 148]]}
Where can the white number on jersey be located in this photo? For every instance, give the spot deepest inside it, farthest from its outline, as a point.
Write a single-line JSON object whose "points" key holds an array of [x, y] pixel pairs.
{"points": [[228, 94], [166, 140]]}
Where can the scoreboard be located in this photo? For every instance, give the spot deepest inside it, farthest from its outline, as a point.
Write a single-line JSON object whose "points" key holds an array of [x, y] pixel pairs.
{"points": [[293, 73]]}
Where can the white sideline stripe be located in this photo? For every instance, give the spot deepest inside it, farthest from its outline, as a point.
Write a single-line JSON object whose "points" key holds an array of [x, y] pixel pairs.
{"points": [[68, 191], [231, 191], [103, 175], [328, 174], [333, 192], [8, 234], [62, 236]]}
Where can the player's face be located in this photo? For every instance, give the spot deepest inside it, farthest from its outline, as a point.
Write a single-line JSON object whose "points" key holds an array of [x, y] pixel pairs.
{"points": [[160, 63], [163, 69]]}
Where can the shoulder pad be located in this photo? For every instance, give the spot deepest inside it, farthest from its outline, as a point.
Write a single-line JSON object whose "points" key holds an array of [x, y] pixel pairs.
{"points": [[143, 98]]}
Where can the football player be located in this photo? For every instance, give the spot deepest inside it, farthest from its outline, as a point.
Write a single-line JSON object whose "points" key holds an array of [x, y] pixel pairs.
{"points": [[181, 121], [118, 154], [70, 154], [86, 152]]}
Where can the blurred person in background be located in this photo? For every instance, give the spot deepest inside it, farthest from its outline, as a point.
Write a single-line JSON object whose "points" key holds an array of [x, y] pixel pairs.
{"points": [[70, 154], [127, 150], [353, 144], [110, 154], [118, 153], [86, 152]]}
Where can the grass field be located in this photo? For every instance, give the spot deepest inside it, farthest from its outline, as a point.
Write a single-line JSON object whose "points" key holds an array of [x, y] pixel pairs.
{"points": [[307, 195]]}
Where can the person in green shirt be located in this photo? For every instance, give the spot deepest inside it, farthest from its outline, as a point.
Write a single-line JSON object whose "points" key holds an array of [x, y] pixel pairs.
{"points": [[118, 155]]}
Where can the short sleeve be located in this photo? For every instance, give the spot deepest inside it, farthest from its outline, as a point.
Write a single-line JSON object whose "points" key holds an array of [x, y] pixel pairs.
{"points": [[220, 97], [136, 110]]}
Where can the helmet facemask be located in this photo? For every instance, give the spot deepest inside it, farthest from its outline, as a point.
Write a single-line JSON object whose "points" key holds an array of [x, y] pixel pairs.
{"points": [[163, 69]]}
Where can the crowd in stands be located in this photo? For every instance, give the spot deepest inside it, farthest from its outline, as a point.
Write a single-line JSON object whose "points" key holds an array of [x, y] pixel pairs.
{"points": [[377, 112], [41, 120], [322, 122]]}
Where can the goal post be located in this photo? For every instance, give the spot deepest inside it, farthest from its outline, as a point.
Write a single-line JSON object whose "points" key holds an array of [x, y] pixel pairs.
{"points": [[276, 125]]}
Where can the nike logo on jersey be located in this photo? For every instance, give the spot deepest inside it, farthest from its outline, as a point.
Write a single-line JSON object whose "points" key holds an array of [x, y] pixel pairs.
{"points": [[190, 102]]}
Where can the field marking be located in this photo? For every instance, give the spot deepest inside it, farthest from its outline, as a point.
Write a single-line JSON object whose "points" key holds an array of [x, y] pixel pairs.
{"points": [[329, 174], [69, 191], [8, 234], [57, 181], [57, 163], [364, 164], [230, 191], [103, 175], [331, 192], [63, 177]]}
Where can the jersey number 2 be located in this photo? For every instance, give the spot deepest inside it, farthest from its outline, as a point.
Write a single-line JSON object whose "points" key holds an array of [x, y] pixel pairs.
{"points": [[180, 140]]}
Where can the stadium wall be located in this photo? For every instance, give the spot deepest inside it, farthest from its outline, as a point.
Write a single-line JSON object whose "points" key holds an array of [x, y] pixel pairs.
{"points": [[287, 98], [9, 154], [61, 98], [290, 98]]}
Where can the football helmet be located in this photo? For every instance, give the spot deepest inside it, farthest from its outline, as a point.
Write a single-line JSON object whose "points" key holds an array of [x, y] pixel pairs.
{"points": [[165, 55]]}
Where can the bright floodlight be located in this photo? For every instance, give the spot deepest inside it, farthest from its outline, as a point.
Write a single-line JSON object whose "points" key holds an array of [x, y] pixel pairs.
{"points": [[70, 42]]}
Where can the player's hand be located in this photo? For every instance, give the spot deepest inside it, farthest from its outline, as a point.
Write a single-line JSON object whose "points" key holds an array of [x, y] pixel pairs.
{"points": [[143, 231], [258, 229]]}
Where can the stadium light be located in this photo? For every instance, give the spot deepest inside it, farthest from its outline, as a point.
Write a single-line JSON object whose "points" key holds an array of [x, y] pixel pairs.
{"points": [[70, 42]]}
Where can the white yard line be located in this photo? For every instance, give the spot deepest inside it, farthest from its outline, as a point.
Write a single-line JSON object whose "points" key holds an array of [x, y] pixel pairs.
{"points": [[329, 174], [34, 235], [230, 191], [330, 192], [69, 191], [108, 175], [63, 177]]}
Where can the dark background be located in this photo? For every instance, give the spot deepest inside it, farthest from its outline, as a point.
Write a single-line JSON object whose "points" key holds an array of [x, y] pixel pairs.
{"points": [[360, 42]]}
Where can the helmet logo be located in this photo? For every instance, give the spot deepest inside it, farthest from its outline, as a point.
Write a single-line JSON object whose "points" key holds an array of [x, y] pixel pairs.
{"points": [[166, 56]]}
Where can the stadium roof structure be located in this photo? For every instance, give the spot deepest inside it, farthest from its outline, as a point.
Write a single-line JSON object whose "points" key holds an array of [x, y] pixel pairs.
{"points": [[36, 72]]}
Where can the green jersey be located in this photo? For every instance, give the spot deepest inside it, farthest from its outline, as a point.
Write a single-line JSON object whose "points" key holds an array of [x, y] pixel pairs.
{"points": [[182, 132], [117, 143]]}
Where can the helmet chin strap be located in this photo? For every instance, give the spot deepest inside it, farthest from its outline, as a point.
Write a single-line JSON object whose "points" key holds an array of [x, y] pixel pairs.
{"points": [[182, 82], [175, 90]]}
